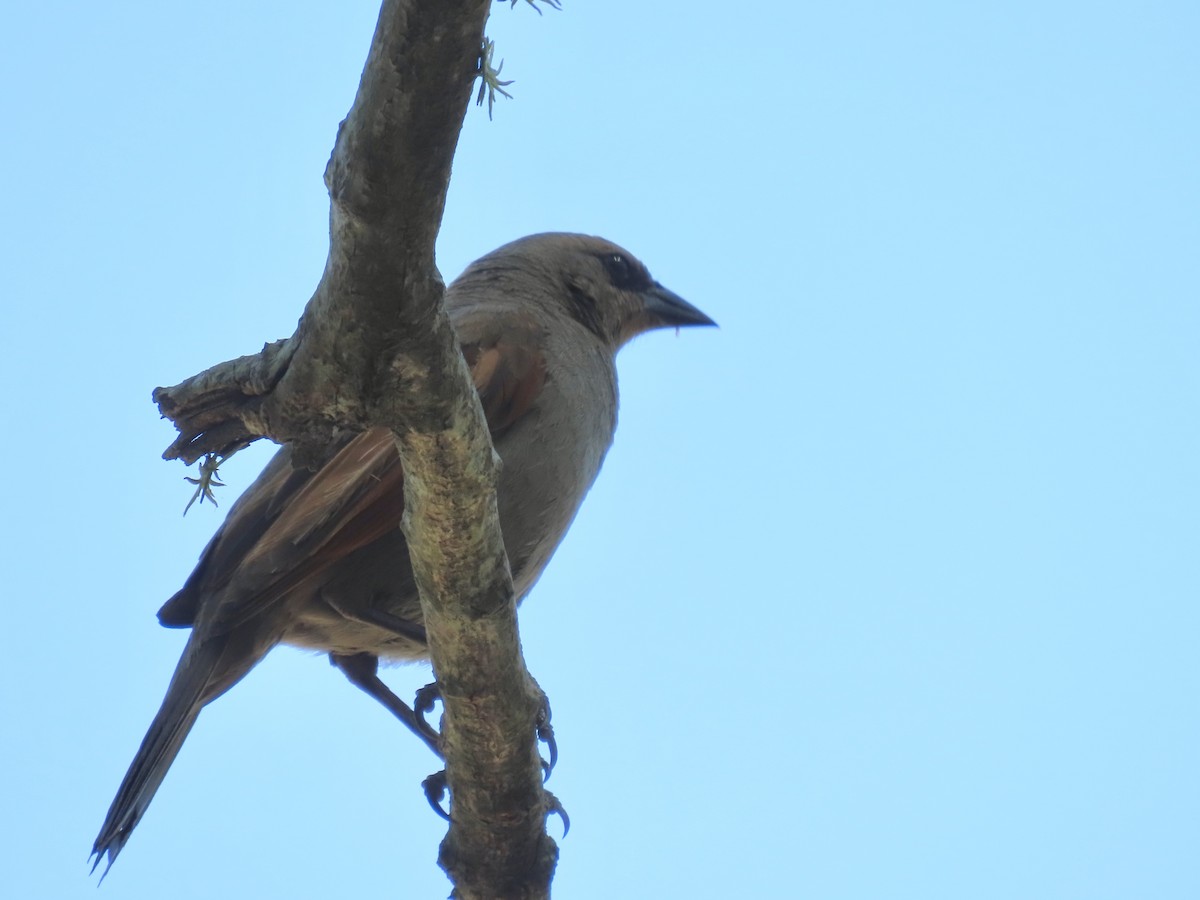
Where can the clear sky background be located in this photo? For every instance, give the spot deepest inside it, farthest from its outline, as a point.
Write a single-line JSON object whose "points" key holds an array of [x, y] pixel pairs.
{"points": [[888, 588]]}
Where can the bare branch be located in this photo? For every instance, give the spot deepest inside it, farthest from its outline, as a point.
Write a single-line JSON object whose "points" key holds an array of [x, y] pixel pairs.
{"points": [[220, 410], [375, 348]]}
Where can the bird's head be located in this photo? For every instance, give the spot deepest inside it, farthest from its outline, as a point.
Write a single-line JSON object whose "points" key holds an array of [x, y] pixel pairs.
{"points": [[600, 285]]}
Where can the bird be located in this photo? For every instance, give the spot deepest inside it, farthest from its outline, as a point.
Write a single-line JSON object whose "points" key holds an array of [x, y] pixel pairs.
{"points": [[317, 560]]}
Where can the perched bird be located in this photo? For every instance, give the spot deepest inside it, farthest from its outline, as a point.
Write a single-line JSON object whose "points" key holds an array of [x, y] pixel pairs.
{"points": [[317, 559]]}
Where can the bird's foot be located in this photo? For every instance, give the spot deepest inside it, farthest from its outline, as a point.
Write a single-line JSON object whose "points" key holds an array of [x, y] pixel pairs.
{"points": [[428, 696], [435, 791], [545, 732], [425, 700], [555, 807]]}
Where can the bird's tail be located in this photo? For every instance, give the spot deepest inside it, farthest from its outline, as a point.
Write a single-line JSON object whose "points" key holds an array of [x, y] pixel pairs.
{"points": [[206, 670]]}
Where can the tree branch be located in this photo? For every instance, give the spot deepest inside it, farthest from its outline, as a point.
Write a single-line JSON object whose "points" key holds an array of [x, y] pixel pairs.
{"points": [[375, 348]]}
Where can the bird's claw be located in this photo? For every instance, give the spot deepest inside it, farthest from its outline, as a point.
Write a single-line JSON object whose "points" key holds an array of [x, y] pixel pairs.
{"points": [[425, 699], [554, 807], [435, 791], [545, 732]]}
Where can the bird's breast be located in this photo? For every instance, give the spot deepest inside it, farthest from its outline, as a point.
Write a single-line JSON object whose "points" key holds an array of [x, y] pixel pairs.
{"points": [[550, 460]]}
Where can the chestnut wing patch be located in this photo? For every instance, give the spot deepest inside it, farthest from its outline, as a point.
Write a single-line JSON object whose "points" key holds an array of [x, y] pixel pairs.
{"points": [[509, 376]]}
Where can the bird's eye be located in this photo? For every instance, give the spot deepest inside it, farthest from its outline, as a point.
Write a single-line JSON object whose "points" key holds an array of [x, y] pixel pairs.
{"points": [[623, 272]]}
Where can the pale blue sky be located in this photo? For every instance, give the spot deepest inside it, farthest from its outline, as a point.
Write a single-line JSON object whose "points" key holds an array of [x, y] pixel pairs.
{"points": [[888, 588]]}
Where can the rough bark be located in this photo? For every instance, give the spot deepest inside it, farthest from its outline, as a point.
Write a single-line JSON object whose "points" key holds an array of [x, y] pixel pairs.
{"points": [[375, 348]]}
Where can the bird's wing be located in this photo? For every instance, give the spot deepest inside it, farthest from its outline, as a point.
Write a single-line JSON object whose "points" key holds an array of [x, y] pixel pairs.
{"points": [[508, 376], [292, 525]]}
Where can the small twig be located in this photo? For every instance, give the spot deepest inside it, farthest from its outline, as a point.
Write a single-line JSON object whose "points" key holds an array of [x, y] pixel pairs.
{"points": [[206, 482], [490, 82], [553, 4]]}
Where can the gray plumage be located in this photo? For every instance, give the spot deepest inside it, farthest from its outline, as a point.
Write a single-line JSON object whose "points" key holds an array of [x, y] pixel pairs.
{"points": [[318, 560]]}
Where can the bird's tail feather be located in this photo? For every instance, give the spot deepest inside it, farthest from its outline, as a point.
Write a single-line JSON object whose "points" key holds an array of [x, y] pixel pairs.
{"points": [[205, 671]]}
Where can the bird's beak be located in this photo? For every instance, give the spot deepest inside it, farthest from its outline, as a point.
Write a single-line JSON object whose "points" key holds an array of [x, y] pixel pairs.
{"points": [[668, 310]]}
